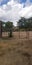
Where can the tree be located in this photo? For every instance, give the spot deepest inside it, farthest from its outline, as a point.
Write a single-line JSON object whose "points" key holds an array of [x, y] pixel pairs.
{"points": [[8, 27], [22, 23], [3, 26], [25, 24]]}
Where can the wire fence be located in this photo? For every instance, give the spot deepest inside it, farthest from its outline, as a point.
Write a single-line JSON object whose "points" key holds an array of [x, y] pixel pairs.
{"points": [[19, 35]]}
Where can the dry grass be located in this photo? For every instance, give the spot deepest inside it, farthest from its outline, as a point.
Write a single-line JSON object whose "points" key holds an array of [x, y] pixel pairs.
{"points": [[15, 51]]}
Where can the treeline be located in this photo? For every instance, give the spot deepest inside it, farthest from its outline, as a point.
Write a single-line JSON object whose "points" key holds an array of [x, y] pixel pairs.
{"points": [[25, 23]]}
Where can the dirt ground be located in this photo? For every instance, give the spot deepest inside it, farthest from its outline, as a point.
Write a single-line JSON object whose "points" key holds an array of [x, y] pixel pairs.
{"points": [[15, 51]]}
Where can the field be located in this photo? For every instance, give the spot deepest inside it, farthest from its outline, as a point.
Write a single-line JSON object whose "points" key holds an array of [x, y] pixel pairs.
{"points": [[15, 51]]}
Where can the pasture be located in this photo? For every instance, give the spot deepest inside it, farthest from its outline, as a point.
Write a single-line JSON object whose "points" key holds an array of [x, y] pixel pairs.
{"points": [[15, 51]]}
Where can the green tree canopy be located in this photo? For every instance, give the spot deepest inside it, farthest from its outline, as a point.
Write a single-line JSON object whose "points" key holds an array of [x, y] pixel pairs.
{"points": [[25, 23], [8, 25]]}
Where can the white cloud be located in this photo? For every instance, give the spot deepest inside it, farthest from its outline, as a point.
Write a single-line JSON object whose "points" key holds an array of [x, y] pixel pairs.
{"points": [[26, 12], [13, 10]]}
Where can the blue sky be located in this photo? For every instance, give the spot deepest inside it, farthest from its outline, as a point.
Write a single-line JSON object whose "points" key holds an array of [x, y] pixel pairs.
{"points": [[21, 1], [4, 2], [13, 10]]}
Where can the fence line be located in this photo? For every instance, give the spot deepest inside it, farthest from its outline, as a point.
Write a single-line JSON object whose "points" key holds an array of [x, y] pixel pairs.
{"points": [[23, 34]]}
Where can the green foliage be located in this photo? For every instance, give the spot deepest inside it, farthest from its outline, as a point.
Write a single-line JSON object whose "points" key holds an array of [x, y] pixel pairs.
{"points": [[25, 23], [8, 26]]}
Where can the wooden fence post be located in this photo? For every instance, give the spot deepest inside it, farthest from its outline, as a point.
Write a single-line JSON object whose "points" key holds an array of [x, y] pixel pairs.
{"points": [[0, 29]]}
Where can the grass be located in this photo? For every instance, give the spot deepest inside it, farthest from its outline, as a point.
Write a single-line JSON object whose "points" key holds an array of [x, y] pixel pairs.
{"points": [[15, 51]]}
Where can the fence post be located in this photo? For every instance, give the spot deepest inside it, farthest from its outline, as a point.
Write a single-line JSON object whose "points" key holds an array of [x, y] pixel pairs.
{"points": [[0, 29]]}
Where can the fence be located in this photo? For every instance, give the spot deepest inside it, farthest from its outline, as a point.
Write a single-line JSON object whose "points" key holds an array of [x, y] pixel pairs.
{"points": [[23, 35], [16, 35]]}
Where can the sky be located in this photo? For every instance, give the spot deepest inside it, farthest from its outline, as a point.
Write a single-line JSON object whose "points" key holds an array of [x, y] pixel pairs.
{"points": [[13, 10]]}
